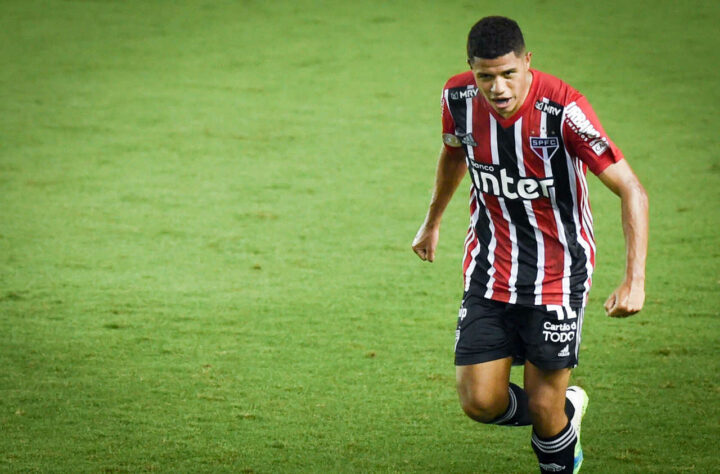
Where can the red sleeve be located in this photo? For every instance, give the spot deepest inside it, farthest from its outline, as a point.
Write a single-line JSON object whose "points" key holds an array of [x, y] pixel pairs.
{"points": [[448, 124], [586, 138]]}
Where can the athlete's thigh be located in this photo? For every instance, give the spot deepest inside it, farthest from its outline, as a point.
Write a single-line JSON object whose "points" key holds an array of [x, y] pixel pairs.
{"points": [[484, 382], [551, 383], [484, 332]]}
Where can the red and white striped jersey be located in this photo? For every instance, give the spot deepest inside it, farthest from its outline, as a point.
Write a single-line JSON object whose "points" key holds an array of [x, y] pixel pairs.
{"points": [[530, 239]]}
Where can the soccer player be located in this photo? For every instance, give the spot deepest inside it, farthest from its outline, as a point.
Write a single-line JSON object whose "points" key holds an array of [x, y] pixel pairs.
{"points": [[527, 139]]}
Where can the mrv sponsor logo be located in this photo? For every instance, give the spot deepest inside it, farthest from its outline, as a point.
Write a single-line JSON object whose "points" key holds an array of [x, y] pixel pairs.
{"points": [[491, 179], [548, 108], [463, 93], [562, 332]]}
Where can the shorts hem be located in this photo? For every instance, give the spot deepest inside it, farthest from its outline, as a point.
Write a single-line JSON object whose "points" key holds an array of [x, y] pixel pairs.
{"points": [[483, 357], [554, 364]]}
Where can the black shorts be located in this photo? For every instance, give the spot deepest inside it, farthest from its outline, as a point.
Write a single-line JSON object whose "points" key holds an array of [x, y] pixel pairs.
{"points": [[548, 336]]}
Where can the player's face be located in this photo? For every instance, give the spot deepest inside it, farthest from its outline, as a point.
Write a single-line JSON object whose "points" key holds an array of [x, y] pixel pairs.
{"points": [[504, 81]]}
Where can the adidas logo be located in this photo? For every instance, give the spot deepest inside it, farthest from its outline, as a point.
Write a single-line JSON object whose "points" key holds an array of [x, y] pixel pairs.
{"points": [[565, 352]]}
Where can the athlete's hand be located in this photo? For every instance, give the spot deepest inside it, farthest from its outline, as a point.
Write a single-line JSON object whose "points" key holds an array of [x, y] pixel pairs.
{"points": [[425, 242], [626, 300]]}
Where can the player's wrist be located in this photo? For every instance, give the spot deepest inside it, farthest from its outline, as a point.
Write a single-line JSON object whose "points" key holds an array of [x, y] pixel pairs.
{"points": [[635, 280], [432, 222]]}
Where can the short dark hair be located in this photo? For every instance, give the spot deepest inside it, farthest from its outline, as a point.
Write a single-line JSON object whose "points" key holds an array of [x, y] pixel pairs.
{"points": [[494, 36]]}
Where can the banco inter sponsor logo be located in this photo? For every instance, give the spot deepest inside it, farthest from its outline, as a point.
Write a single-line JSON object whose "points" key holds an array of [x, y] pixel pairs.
{"points": [[459, 94], [491, 179]]}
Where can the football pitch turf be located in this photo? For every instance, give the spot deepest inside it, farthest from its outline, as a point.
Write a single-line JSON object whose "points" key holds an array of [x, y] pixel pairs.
{"points": [[206, 211]]}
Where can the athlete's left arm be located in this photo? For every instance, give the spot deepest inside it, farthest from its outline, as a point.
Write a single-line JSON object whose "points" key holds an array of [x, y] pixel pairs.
{"points": [[628, 298]]}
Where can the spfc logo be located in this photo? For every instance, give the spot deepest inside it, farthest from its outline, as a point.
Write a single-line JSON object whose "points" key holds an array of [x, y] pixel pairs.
{"points": [[544, 147]]}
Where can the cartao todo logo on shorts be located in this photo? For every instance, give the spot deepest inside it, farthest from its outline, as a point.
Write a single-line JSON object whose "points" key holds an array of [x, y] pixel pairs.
{"points": [[562, 332]]}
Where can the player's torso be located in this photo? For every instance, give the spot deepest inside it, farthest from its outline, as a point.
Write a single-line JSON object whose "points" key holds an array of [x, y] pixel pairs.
{"points": [[510, 159], [526, 242]]}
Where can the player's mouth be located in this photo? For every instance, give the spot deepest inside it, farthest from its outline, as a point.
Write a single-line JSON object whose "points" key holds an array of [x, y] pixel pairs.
{"points": [[501, 102]]}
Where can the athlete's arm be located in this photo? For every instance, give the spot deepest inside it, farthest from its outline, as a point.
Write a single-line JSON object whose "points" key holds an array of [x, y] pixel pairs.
{"points": [[451, 169], [629, 297]]}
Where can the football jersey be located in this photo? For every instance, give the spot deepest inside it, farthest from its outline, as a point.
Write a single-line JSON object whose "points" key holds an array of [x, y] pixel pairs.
{"points": [[530, 239]]}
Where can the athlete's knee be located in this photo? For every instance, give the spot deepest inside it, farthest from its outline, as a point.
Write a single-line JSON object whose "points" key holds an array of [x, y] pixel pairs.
{"points": [[482, 405]]}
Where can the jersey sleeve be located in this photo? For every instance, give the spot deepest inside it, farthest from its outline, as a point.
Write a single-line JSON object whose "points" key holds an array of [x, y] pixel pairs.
{"points": [[450, 141], [586, 137]]}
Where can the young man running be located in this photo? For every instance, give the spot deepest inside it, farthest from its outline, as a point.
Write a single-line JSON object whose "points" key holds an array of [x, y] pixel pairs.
{"points": [[527, 139]]}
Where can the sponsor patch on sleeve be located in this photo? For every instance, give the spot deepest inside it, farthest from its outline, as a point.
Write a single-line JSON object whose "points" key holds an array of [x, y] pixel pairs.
{"points": [[580, 124], [451, 140]]}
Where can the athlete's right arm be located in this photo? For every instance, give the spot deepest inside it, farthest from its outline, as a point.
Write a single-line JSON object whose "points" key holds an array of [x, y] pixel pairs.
{"points": [[451, 169]]}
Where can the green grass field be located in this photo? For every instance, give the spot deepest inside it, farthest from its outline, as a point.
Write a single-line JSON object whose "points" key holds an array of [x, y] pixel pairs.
{"points": [[206, 211]]}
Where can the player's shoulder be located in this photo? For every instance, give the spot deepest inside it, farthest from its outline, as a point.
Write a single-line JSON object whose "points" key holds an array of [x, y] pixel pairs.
{"points": [[463, 79], [554, 88]]}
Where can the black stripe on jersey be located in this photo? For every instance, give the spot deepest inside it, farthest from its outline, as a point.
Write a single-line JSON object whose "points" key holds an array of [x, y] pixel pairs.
{"points": [[480, 275], [562, 183], [457, 104], [458, 110], [526, 242]]}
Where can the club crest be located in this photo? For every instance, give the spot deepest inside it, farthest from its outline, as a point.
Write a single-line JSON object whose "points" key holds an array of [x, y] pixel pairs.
{"points": [[544, 147]]}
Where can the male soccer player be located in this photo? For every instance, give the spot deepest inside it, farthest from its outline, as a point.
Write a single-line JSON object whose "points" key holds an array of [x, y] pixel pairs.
{"points": [[527, 139]]}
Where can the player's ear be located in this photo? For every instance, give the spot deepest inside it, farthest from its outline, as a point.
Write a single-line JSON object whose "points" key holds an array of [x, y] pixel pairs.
{"points": [[528, 57]]}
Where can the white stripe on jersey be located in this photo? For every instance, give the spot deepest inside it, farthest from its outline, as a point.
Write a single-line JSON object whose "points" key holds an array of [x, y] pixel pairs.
{"points": [[491, 250], [481, 199], [572, 177], [506, 215], [587, 215], [471, 237], [530, 212], [573, 174], [560, 230]]}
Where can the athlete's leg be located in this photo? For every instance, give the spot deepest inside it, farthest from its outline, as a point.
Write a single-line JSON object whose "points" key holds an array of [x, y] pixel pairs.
{"points": [[483, 389], [485, 343], [546, 398], [554, 438]]}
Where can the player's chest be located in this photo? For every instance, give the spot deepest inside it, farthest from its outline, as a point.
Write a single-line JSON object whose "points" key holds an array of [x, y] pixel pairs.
{"points": [[526, 147]]}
